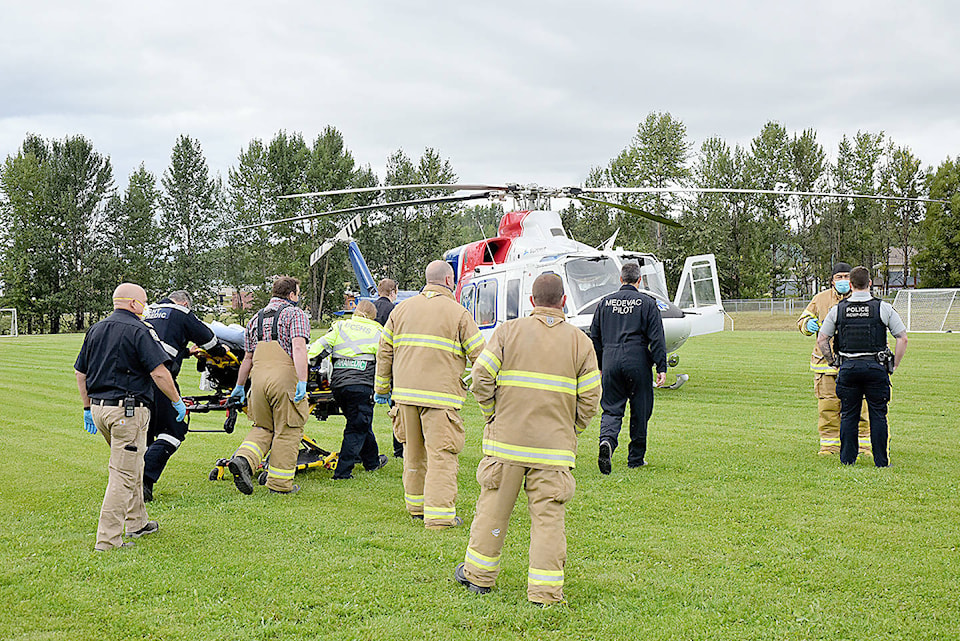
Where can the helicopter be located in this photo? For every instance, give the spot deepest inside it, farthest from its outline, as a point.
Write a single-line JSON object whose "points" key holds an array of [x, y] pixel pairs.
{"points": [[494, 276]]}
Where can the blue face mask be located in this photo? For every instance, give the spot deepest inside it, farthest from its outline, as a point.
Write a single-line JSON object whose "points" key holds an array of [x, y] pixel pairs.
{"points": [[842, 286]]}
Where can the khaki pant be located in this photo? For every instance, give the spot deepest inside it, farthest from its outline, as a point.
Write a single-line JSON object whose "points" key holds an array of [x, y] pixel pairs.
{"points": [[434, 437], [123, 505], [277, 421], [828, 406], [547, 492]]}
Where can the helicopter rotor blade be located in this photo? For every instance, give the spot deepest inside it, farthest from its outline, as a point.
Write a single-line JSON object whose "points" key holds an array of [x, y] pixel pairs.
{"points": [[720, 190], [365, 190], [350, 210], [632, 210]]}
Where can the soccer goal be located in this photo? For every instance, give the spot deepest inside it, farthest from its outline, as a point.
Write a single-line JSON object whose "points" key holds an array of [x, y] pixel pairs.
{"points": [[8, 322], [929, 310]]}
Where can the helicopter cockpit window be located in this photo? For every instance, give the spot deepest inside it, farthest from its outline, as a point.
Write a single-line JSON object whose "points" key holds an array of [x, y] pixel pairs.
{"points": [[591, 278], [466, 298], [486, 303]]}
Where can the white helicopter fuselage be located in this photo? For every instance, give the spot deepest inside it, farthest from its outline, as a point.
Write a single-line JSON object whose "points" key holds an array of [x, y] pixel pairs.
{"points": [[495, 276]]}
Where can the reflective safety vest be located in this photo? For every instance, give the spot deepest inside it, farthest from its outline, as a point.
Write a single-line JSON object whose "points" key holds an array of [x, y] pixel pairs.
{"points": [[353, 345], [818, 308], [538, 386], [424, 350]]}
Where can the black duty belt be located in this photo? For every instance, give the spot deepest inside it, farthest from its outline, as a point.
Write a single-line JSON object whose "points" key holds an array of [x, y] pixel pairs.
{"points": [[114, 402], [865, 357]]}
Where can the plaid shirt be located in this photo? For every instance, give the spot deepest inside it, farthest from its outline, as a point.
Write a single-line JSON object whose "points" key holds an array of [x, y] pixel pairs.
{"points": [[293, 323]]}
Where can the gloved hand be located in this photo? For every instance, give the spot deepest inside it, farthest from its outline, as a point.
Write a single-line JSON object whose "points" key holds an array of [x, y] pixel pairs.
{"points": [[301, 391], [382, 399], [181, 408], [813, 326], [88, 423], [238, 392]]}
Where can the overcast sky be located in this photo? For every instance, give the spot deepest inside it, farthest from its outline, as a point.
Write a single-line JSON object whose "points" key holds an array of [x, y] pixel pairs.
{"points": [[507, 91]]}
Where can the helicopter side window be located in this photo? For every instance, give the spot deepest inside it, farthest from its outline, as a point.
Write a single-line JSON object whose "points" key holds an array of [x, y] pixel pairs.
{"points": [[513, 298], [486, 313], [558, 231], [467, 298]]}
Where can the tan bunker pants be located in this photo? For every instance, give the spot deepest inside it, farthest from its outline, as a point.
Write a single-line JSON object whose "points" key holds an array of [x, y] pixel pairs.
{"points": [[547, 492], [434, 438], [277, 421], [828, 406]]}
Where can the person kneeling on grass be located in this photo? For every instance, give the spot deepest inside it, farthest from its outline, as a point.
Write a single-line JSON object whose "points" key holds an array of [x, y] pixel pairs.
{"points": [[352, 345]]}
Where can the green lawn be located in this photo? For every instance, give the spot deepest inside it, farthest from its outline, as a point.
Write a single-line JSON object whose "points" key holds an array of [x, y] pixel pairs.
{"points": [[736, 529]]}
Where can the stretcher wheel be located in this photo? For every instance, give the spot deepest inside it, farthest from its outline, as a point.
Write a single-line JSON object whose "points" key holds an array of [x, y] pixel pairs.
{"points": [[262, 478], [215, 474]]}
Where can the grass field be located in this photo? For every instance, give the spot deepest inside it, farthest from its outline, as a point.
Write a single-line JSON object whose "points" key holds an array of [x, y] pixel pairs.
{"points": [[736, 529]]}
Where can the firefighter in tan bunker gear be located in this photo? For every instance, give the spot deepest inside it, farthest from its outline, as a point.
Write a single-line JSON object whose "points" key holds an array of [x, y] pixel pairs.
{"points": [[538, 386], [824, 375], [422, 357]]}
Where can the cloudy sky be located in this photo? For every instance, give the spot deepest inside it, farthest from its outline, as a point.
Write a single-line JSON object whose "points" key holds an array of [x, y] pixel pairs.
{"points": [[508, 91]]}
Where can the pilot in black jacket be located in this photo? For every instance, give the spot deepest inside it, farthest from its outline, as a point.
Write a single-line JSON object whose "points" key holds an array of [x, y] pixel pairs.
{"points": [[627, 333], [176, 326]]}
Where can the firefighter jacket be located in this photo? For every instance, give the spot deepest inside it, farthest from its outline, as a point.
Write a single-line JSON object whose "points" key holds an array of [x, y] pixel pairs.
{"points": [[818, 308], [424, 350], [352, 345], [538, 386]]}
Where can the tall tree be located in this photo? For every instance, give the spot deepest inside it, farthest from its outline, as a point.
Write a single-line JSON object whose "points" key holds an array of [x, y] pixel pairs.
{"points": [[770, 167], [938, 262], [808, 173], [137, 241], [902, 176], [192, 217]]}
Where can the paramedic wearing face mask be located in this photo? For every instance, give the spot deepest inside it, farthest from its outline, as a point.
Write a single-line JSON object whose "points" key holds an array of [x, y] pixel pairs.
{"points": [[825, 375]]}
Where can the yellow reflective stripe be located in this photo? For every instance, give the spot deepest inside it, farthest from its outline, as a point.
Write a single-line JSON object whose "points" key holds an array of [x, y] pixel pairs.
{"points": [[474, 340], [381, 380], [387, 336], [487, 408], [250, 445], [829, 441], [415, 397], [413, 499], [490, 362], [523, 454], [536, 576], [431, 512], [588, 381], [481, 561], [536, 380], [428, 340], [823, 369], [281, 474]]}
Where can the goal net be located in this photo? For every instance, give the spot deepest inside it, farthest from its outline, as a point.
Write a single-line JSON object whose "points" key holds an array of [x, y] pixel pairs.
{"points": [[929, 310], [8, 322]]}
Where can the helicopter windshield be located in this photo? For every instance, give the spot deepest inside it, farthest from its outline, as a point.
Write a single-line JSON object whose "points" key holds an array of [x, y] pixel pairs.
{"points": [[591, 278]]}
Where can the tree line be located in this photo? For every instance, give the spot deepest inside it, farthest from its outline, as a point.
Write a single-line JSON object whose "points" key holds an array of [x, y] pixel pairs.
{"points": [[68, 235]]}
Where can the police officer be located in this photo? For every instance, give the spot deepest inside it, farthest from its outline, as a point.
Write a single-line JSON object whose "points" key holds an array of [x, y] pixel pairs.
{"points": [[627, 333], [353, 347], [387, 289], [860, 325], [824, 374], [176, 326], [276, 362], [423, 353], [119, 357], [538, 386]]}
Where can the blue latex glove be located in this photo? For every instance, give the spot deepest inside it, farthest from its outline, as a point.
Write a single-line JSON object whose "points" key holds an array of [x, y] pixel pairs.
{"points": [[813, 325], [239, 393], [181, 408], [382, 399], [88, 423], [301, 391]]}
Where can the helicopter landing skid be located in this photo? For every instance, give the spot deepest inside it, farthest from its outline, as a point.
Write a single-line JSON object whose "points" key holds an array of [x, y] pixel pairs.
{"points": [[681, 379]]}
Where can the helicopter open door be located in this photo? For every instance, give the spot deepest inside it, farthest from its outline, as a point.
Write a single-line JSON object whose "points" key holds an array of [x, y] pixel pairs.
{"points": [[698, 295]]}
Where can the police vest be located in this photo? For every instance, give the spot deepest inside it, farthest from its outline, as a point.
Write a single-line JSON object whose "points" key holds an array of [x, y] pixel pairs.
{"points": [[859, 328]]}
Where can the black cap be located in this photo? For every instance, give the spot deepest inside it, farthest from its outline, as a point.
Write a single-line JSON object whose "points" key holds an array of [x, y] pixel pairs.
{"points": [[841, 267]]}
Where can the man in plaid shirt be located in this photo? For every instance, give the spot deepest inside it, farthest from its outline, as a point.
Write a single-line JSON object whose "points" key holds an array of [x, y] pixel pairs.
{"points": [[276, 361]]}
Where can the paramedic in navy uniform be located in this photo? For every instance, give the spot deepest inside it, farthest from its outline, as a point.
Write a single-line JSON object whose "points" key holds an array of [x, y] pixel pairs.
{"points": [[119, 357], [861, 323], [627, 335], [176, 326]]}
